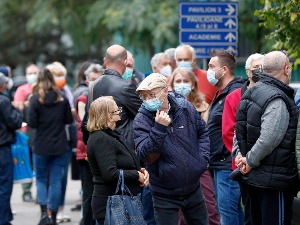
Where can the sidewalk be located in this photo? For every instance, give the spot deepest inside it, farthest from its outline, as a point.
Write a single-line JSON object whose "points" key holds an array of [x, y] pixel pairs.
{"points": [[29, 213]]}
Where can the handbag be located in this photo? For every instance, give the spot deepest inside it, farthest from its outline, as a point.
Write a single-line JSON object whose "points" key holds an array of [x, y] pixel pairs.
{"points": [[124, 209], [20, 152]]}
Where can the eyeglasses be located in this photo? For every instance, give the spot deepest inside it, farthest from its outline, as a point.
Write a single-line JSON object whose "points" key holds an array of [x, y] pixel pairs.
{"points": [[144, 97], [117, 112]]}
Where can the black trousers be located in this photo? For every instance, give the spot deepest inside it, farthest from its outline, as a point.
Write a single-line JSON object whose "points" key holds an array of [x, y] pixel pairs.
{"points": [[87, 192], [270, 207]]}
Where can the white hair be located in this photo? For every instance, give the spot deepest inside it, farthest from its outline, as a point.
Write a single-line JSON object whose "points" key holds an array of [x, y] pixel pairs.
{"points": [[96, 68], [251, 58], [170, 52], [130, 54], [156, 58], [182, 47]]}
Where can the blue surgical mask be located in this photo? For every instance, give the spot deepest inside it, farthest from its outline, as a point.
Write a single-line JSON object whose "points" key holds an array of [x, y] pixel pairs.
{"points": [[31, 78], [152, 105], [183, 89], [211, 76], [185, 64], [127, 75]]}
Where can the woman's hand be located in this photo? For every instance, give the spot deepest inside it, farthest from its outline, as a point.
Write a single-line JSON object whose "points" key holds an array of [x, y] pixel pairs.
{"points": [[143, 177]]}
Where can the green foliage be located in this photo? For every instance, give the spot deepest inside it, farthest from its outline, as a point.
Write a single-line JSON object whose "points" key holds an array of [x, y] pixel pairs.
{"points": [[282, 16]]}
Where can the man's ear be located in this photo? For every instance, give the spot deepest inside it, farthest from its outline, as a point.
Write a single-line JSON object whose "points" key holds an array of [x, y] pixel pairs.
{"points": [[194, 63]]}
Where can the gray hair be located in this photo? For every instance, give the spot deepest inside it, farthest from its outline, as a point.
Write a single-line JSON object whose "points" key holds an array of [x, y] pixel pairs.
{"points": [[273, 62], [251, 58], [183, 46], [96, 68], [130, 54], [155, 59], [170, 52]]}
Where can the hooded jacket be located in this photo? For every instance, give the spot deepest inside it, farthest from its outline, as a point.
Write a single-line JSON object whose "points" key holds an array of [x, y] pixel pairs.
{"points": [[183, 147], [220, 157], [50, 119]]}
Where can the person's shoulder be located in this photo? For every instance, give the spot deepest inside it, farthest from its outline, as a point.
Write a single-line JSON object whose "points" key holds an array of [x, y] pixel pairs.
{"points": [[237, 93], [199, 71]]}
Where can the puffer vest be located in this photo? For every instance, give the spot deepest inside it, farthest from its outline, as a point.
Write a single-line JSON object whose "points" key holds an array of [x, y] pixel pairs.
{"points": [[279, 169]]}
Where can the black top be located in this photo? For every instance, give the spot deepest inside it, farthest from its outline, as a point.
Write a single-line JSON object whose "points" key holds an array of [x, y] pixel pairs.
{"points": [[112, 84], [10, 120], [107, 153], [49, 119]]}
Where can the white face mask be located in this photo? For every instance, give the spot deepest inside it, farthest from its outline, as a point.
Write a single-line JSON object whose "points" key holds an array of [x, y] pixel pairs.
{"points": [[91, 83], [31, 78], [166, 70], [10, 83]]}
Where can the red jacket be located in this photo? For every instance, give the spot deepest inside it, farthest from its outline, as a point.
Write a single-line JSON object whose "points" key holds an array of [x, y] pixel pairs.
{"points": [[204, 86], [228, 119], [81, 147]]}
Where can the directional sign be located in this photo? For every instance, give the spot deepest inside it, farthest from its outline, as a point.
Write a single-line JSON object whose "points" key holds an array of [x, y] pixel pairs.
{"points": [[208, 22], [208, 8], [209, 25]]}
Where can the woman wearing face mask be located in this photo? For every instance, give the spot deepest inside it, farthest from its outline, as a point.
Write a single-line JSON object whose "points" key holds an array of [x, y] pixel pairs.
{"points": [[108, 153], [49, 112], [185, 83]]}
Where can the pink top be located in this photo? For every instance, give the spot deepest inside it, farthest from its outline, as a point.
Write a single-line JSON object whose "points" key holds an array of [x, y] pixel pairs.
{"points": [[22, 92]]}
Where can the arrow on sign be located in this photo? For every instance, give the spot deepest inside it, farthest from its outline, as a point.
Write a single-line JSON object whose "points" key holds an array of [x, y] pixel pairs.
{"points": [[230, 37], [231, 49], [229, 10], [230, 23]]}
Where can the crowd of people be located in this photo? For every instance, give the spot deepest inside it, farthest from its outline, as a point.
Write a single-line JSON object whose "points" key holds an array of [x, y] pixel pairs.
{"points": [[199, 147]]}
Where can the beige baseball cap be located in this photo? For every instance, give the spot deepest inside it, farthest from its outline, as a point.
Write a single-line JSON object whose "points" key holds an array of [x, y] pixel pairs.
{"points": [[154, 80]]}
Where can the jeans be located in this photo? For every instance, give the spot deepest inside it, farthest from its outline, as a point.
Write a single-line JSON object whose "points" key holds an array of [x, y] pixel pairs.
{"points": [[192, 206], [87, 192], [228, 197], [65, 178], [6, 184], [148, 210], [49, 176]]}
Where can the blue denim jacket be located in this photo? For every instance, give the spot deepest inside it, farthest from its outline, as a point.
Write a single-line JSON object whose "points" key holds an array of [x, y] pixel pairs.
{"points": [[183, 147]]}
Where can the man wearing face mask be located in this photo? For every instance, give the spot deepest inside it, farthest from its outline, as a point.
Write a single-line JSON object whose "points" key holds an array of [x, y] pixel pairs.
{"points": [[252, 67], [171, 137], [185, 56], [221, 70], [24, 90], [112, 83], [161, 63], [266, 124]]}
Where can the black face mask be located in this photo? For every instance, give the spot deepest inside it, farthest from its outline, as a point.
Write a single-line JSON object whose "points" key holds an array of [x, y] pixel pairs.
{"points": [[256, 74]]}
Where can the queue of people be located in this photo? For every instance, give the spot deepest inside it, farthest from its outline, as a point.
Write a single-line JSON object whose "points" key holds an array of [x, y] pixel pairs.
{"points": [[177, 135]]}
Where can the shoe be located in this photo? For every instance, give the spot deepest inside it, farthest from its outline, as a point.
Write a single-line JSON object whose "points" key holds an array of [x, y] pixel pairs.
{"points": [[28, 198], [62, 218], [76, 208]]}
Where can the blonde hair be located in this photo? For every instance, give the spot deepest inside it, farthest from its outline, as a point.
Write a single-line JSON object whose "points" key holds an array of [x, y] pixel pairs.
{"points": [[99, 113], [56, 68]]}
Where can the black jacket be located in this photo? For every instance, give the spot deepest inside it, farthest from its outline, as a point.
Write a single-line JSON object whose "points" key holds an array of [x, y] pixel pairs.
{"points": [[50, 119], [277, 170], [10, 120], [123, 92], [220, 157], [107, 153]]}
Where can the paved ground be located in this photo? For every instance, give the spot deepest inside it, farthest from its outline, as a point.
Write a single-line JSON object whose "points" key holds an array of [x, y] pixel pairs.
{"points": [[29, 213]]}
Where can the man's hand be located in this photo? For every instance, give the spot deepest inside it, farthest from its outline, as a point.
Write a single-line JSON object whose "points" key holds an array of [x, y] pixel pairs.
{"points": [[162, 118], [241, 162]]}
